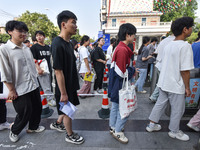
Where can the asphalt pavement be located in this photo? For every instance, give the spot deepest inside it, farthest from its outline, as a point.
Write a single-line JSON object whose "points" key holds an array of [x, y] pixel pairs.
{"points": [[96, 131]]}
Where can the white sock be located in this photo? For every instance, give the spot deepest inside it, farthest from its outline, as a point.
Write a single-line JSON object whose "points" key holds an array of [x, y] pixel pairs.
{"points": [[151, 124]]}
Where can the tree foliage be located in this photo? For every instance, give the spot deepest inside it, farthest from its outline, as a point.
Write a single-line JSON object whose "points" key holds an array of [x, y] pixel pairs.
{"points": [[173, 9], [36, 21], [194, 34], [4, 38]]}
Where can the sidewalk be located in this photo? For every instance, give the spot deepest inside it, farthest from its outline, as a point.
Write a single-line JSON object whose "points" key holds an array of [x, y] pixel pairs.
{"points": [[95, 131]]}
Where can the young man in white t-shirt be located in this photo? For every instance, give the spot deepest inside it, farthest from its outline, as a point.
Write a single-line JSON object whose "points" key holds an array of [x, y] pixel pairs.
{"points": [[109, 52], [173, 83]]}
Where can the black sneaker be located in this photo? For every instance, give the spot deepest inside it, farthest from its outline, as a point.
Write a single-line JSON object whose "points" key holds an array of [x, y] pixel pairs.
{"points": [[74, 138], [112, 130], [59, 127]]}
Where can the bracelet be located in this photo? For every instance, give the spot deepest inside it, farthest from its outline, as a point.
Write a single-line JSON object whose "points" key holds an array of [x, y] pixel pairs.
{"points": [[35, 61]]}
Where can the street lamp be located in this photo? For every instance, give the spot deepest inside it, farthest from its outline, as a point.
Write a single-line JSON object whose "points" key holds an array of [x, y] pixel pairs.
{"points": [[55, 22], [51, 10]]}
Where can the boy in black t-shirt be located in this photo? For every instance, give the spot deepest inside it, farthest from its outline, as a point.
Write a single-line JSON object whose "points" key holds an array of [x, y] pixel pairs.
{"points": [[41, 51], [64, 64]]}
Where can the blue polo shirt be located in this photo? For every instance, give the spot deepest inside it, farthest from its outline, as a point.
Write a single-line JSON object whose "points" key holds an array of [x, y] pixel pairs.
{"points": [[196, 54]]}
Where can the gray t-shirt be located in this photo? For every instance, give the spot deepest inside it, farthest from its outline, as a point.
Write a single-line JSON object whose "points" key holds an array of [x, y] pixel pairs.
{"points": [[151, 51], [140, 63]]}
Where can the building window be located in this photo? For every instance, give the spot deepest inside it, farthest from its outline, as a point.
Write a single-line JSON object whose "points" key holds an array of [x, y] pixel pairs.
{"points": [[113, 22], [144, 21]]}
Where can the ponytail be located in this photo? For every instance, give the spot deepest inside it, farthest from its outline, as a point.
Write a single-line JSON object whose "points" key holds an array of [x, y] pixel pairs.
{"points": [[145, 40], [140, 50]]}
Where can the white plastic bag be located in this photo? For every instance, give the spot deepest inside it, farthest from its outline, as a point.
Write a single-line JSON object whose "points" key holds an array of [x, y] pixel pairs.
{"points": [[44, 65], [127, 98]]}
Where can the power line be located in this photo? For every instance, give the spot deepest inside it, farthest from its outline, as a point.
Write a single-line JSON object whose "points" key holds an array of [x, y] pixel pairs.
{"points": [[2, 12]]}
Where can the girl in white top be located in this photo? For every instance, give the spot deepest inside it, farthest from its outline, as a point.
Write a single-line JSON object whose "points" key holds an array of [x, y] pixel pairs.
{"points": [[85, 64]]}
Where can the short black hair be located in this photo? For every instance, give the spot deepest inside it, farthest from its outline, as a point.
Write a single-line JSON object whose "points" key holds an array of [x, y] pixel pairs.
{"points": [[34, 38], [13, 24], [154, 39], [124, 29], [180, 23], [113, 40], [84, 39], [26, 41], [163, 37], [64, 16], [39, 32]]}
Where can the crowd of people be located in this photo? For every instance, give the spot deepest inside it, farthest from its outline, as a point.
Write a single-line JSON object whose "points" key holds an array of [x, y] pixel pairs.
{"points": [[22, 73]]}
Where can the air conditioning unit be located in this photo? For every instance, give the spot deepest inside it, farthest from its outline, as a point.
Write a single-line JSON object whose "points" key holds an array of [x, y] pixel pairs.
{"points": [[103, 17], [103, 11]]}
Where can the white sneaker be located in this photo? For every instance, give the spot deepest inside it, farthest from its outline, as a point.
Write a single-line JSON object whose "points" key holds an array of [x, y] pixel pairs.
{"points": [[156, 127], [39, 129], [13, 137], [195, 128], [52, 103], [95, 92], [143, 92], [100, 91], [120, 137], [179, 135], [4, 125]]}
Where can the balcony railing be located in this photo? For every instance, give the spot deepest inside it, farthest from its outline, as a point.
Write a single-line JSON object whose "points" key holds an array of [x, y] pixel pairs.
{"points": [[142, 24]]}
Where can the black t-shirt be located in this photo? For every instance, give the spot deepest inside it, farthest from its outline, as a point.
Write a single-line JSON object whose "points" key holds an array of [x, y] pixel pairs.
{"points": [[40, 52], [65, 60], [98, 54]]}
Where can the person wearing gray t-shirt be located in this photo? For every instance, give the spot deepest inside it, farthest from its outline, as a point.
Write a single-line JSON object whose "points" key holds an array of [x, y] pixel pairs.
{"points": [[142, 64]]}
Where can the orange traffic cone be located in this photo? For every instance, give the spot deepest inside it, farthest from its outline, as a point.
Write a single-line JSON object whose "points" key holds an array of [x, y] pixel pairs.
{"points": [[106, 69], [105, 80], [104, 112], [46, 112]]}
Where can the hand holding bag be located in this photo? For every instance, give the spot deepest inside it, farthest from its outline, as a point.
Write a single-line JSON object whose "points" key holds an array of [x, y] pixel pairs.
{"points": [[88, 77], [44, 65], [127, 98]]}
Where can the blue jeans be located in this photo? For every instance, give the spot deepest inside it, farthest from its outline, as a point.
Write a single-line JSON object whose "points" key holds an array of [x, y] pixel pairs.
{"points": [[155, 94], [140, 82], [151, 71], [115, 118]]}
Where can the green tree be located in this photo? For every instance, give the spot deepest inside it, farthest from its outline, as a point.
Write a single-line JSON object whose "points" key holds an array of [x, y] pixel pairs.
{"points": [[36, 21], [194, 34], [173, 9], [4, 38]]}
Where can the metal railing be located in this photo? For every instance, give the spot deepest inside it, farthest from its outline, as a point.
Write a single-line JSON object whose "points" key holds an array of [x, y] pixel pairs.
{"points": [[143, 24]]}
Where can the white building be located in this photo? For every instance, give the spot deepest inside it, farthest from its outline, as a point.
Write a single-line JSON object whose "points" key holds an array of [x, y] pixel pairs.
{"points": [[137, 12]]}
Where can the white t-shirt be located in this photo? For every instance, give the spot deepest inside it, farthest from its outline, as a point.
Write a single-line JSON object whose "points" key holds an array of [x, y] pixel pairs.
{"points": [[177, 56], [84, 53], [159, 49], [109, 52]]}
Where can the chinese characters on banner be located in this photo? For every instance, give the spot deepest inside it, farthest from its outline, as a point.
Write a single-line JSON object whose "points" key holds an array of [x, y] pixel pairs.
{"points": [[192, 101]]}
